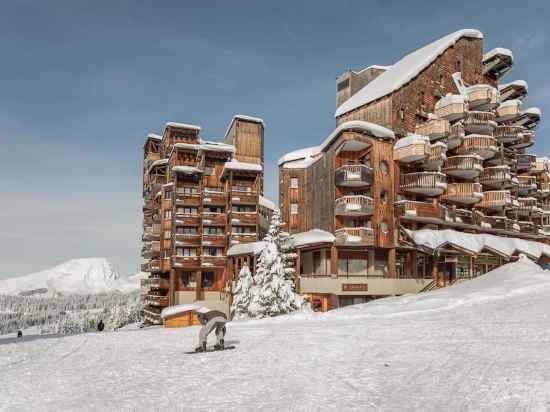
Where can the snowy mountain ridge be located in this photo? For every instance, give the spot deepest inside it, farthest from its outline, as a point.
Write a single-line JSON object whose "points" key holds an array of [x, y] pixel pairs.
{"points": [[76, 276]]}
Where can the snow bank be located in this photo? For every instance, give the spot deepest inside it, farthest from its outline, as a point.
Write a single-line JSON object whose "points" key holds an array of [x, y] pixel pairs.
{"points": [[76, 276], [404, 71]]}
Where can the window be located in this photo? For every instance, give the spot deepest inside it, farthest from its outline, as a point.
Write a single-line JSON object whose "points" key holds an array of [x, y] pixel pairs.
{"points": [[294, 208], [294, 183], [242, 188], [213, 230], [243, 229], [208, 171], [166, 254], [213, 209], [384, 167], [167, 234], [243, 208], [213, 189], [384, 228], [352, 267], [187, 279], [188, 190], [383, 196], [186, 230], [458, 65], [168, 214], [186, 251], [208, 279], [187, 210], [168, 194], [342, 85], [401, 114], [213, 251]]}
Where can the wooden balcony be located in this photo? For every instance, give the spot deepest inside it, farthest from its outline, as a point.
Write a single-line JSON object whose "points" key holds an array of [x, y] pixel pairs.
{"points": [[463, 193], [155, 282], [187, 220], [543, 189], [496, 200], [249, 198], [424, 183], [464, 216], [497, 62], [216, 219], [214, 198], [528, 227], [186, 239], [529, 118], [151, 249], [541, 165], [527, 185], [527, 206], [355, 205], [465, 167], [526, 162], [434, 128], [185, 200], [503, 223], [214, 240], [482, 145], [149, 204], [482, 97], [437, 157], [244, 218], [545, 230], [213, 261], [496, 177], [451, 107], [186, 262], [480, 123], [354, 236], [243, 237], [508, 134], [156, 300], [151, 232], [526, 140], [413, 209], [508, 110], [353, 176], [456, 136], [514, 90]]}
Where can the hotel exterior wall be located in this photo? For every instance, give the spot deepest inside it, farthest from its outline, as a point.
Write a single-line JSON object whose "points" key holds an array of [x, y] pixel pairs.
{"points": [[376, 286]]}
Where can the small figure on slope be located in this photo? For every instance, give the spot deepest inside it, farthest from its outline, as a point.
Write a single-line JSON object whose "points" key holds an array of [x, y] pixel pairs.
{"points": [[100, 325], [275, 293], [243, 294], [211, 320]]}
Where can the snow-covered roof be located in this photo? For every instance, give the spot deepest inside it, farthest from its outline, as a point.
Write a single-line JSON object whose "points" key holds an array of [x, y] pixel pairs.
{"points": [[410, 140], [311, 237], [236, 165], [534, 111], [254, 248], [157, 163], [154, 136], [177, 309], [267, 203], [186, 169], [299, 154], [475, 243], [512, 102], [450, 99], [404, 71], [518, 83], [498, 51], [243, 117], [206, 145], [374, 66], [183, 126]]}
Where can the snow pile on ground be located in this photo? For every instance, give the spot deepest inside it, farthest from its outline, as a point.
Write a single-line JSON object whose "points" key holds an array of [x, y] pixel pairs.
{"points": [[475, 346], [76, 276]]}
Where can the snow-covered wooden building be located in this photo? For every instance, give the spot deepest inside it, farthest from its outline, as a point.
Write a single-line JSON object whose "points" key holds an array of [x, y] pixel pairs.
{"points": [[434, 142]]}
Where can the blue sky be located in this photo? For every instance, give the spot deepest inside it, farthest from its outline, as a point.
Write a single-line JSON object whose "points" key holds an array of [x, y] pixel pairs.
{"points": [[82, 83]]}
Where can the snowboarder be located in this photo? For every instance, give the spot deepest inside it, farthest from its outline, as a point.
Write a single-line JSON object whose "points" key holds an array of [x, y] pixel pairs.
{"points": [[100, 325], [19, 334], [211, 320]]}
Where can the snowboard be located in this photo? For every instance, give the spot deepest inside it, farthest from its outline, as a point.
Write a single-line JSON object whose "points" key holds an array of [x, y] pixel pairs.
{"points": [[211, 349]]}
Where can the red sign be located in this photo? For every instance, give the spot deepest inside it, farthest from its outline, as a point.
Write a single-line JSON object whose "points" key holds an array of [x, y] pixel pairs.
{"points": [[355, 287]]}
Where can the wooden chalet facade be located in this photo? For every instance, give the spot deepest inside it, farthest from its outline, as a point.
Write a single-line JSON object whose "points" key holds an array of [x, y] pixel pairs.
{"points": [[434, 142], [200, 197]]}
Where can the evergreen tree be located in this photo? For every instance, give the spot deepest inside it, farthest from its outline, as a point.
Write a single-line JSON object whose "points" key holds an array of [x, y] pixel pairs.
{"points": [[275, 293], [243, 294]]}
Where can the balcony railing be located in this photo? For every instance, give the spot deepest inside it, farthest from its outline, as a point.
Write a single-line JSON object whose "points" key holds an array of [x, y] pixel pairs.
{"points": [[508, 110], [243, 237], [527, 206], [156, 300], [214, 240], [526, 162], [463, 193], [541, 165], [508, 134], [187, 239], [465, 167], [151, 249], [424, 183], [244, 218], [214, 198], [353, 175], [527, 139], [183, 219], [496, 176], [355, 205], [544, 189], [451, 107], [496, 199], [213, 261], [184, 200], [437, 157], [155, 282], [210, 218], [527, 184], [464, 216], [503, 223], [482, 97], [497, 64], [191, 262], [480, 122], [482, 145], [355, 236], [528, 227], [456, 136], [151, 232], [434, 128], [250, 198], [413, 208]]}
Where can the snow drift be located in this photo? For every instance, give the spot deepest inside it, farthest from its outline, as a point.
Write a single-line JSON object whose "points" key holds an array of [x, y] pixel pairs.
{"points": [[76, 276]]}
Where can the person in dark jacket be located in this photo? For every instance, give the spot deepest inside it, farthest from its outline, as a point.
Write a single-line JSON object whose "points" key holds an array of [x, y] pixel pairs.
{"points": [[211, 320], [19, 334], [100, 326]]}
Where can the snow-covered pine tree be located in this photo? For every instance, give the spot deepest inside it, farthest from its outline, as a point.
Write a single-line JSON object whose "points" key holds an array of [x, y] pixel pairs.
{"points": [[243, 294], [275, 293]]}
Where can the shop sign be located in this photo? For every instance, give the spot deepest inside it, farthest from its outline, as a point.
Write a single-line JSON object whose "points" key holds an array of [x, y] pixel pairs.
{"points": [[355, 287]]}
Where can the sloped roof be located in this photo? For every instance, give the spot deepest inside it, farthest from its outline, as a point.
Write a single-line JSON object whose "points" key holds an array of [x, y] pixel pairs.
{"points": [[404, 71]]}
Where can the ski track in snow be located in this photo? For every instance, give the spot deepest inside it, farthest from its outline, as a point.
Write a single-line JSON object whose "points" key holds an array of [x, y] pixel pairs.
{"points": [[491, 355]]}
